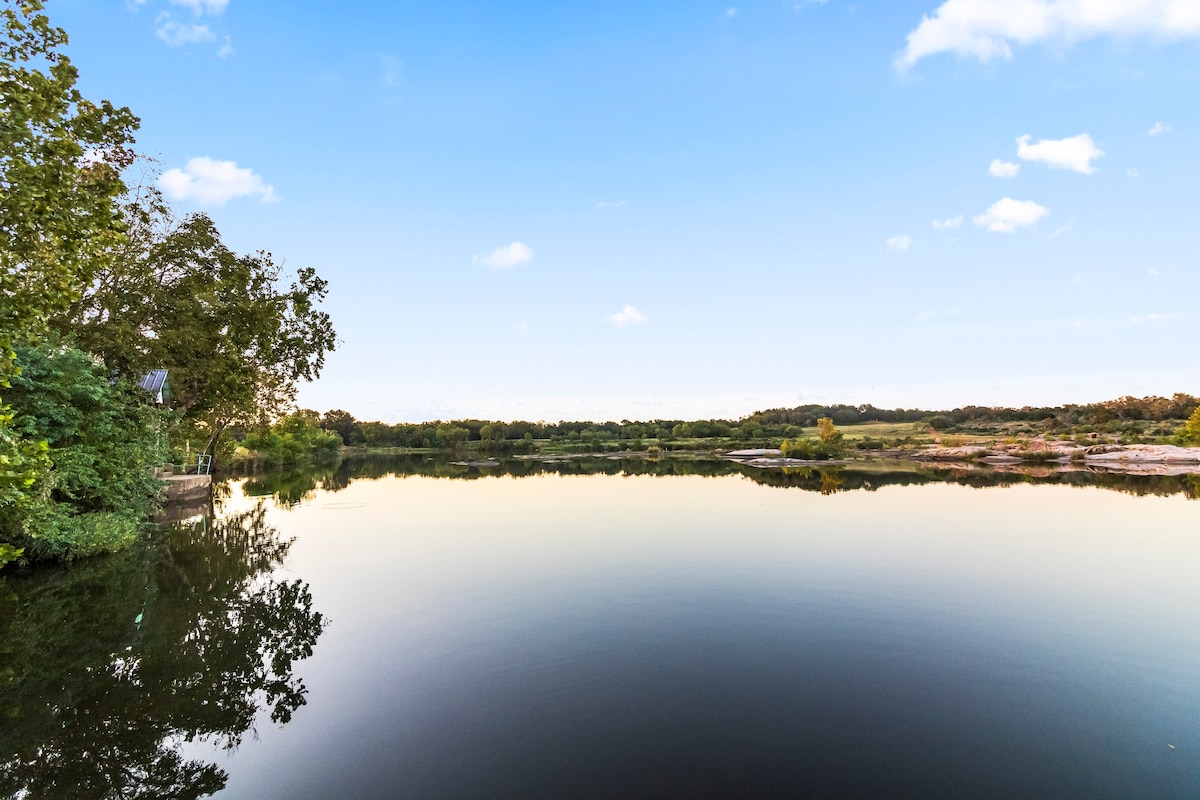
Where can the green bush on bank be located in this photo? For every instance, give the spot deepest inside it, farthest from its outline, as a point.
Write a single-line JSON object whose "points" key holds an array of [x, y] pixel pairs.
{"points": [[96, 485]]}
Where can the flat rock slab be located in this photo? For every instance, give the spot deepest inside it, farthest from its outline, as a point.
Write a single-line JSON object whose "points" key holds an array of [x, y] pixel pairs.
{"points": [[1146, 454], [189, 486], [757, 453]]}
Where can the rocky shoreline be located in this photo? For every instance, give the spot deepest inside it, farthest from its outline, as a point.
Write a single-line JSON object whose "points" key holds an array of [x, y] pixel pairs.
{"points": [[1141, 459], [1156, 459]]}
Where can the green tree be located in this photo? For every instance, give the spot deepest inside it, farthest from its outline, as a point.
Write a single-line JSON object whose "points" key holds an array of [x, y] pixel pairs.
{"points": [[827, 432], [295, 439], [1190, 433], [343, 424], [235, 336], [61, 158]]}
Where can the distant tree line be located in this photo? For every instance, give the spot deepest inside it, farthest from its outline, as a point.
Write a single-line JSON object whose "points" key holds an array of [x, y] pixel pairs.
{"points": [[771, 425], [1178, 407]]}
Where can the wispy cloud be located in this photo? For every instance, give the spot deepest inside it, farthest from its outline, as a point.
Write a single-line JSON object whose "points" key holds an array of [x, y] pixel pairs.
{"points": [[1145, 319], [507, 256], [898, 244], [626, 316], [988, 29], [948, 224], [730, 12], [1132, 173], [206, 181], [178, 34], [1158, 129], [200, 7], [1006, 215], [611, 204], [1061, 230], [1003, 169], [1074, 153]]}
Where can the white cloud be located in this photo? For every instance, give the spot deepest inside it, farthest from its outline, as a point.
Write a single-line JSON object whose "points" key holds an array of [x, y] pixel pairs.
{"points": [[1003, 169], [1152, 272], [177, 34], [731, 12], [987, 29], [1006, 215], [510, 255], [611, 204], [1158, 128], [626, 316], [226, 49], [1133, 173], [199, 7], [898, 244], [210, 182], [1075, 153], [948, 224]]}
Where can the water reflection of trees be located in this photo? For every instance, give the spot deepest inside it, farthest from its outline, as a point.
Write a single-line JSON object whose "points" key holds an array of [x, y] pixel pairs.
{"points": [[294, 487], [108, 666]]}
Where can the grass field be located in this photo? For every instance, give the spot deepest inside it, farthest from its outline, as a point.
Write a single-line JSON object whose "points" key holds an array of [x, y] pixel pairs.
{"points": [[882, 430]]}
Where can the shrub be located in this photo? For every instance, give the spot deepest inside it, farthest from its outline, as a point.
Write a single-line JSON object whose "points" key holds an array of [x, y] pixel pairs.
{"points": [[1189, 435], [101, 443], [812, 449]]}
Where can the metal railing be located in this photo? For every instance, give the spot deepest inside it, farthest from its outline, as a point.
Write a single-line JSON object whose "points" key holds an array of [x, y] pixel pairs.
{"points": [[201, 466]]}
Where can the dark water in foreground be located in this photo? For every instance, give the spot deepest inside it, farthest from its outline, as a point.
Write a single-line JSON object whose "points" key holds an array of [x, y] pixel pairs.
{"points": [[623, 630]]}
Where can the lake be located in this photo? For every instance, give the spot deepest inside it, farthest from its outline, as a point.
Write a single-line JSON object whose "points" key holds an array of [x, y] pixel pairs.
{"points": [[599, 628]]}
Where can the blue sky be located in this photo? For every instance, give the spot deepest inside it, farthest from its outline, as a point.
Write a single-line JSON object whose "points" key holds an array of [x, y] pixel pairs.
{"points": [[631, 210]]}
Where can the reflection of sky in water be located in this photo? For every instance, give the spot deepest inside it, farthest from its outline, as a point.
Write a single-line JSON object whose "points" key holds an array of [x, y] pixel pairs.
{"points": [[540, 636]]}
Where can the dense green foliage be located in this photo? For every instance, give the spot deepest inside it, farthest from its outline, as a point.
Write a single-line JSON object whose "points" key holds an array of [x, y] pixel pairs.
{"points": [[102, 443], [295, 439], [61, 156]]}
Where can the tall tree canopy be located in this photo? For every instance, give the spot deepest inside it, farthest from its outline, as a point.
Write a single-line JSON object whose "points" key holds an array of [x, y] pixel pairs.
{"points": [[61, 158], [235, 336]]}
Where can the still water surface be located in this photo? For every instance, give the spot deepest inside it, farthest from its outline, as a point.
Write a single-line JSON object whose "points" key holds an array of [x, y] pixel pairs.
{"points": [[573, 635]]}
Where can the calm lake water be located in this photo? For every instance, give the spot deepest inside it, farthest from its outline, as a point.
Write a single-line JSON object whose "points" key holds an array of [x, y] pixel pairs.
{"points": [[607, 629]]}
